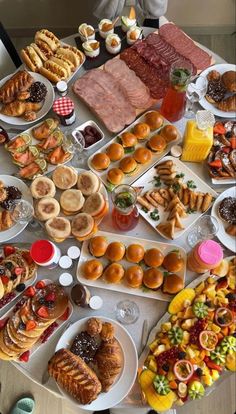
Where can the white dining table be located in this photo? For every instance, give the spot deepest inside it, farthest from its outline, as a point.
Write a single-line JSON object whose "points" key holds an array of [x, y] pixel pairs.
{"points": [[150, 309]]}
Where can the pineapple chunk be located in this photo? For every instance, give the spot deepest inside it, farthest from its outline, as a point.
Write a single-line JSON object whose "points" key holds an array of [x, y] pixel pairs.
{"points": [[215, 374], [161, 348], [211, 280], [232, 281], [188, 313], [200, 288], [165, 327], [210, 291], [207, 379], [190, 352], [153, 345], [200, 298], [174, 318], [215, 328], [179, 402], [171, 376], [152, 365], [188, 323], [186, 336]]}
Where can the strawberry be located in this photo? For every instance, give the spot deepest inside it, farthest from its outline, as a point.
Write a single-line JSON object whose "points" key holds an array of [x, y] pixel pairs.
{"points": [[3, 322], [42, 312], [30, 291], [40, 284], [30, 325], [219, 128], [50, 297], [18, 270], [8, 250], [26, 255], [5, 280], [226, 150], [65, 315], [25, 356], [216, 164]]}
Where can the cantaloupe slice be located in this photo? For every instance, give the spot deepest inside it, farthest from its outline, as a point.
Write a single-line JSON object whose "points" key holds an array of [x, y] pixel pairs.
{"points": [[231, 362], [178, 302], [132, 13], [158, 402]]}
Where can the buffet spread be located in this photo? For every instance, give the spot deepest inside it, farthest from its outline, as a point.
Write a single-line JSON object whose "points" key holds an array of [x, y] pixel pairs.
{"points": [[95, 362]]}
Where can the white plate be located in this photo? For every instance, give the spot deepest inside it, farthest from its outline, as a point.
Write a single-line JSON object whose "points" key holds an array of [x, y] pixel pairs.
{"points": [[49, 99], [122, 287], [129, 179], [146, 181], [125, 381], [26, 195], [221, 68], [225, 238], [93, 124]]}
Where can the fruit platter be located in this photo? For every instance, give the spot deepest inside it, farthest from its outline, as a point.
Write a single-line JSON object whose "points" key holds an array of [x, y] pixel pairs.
{"points": [[194, 343]]}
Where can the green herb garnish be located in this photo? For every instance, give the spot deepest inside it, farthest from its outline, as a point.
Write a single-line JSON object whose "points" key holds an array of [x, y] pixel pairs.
{"points": [[165, 274], [190, 211], [155, 214], [157, 181], [145, 289], [181, 175], [175, 187], [174, 251], [144, 209], [191, 184], [124, 200]]}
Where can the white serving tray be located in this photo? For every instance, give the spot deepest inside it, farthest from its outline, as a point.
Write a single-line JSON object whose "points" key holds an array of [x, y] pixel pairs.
{"points": [[122, 287], [147, 181]]}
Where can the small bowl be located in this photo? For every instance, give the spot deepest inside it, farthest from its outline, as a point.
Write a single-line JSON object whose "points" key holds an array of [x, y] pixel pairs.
{"points": [[138, 31], [113, 49], [93, 124], [106, 33], [82, 37], [93, 52]]}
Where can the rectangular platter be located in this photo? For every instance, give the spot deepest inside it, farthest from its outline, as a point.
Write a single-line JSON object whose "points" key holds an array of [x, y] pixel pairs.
{"points": [[147, 181], [121, 287], [129, 179]]}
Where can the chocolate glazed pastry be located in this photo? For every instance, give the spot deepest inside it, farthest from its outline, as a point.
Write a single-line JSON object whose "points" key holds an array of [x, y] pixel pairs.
{"points": [[84, 346], [38, 92], [227, 210]]}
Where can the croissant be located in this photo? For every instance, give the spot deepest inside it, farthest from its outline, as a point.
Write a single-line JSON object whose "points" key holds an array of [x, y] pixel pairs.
{"points": [[19, 82], [109, 361], [228, 104], [15, 108]]}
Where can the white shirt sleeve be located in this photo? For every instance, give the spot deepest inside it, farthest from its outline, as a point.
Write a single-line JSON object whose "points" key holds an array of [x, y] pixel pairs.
{"points": [[108, 9], [152, 9]]}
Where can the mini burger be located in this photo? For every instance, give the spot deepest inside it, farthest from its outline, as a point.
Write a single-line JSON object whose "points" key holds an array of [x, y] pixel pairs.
{"points": [[172, 284], [157, 143], [42, 187], [141, 131], [114, 273], [128, 141], [98, 246], [100, 161], [88, 183], [58, 228], [115, 151], [115, 176], [83, 226], [96, 206], [64, 177], [92, 269], [128, 165], [153, 278], [71, 201], [169, 132], [115, 251], [153, 257], [135, 253], [134, 276], [173, 262], [154, 120], [142, 155]]}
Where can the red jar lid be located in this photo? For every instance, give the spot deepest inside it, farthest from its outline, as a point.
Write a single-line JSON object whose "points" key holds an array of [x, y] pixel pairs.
{"points": [[42, 251], [63, 106]]}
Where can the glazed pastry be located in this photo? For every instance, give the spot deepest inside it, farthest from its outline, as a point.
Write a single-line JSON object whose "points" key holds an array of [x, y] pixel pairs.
{"points": [[30, 116], [107, 332], [231, 230], [5, 220], [229, 80], [94, 326], [15, 108], [84, 346], [228, 104], [109, 360], [19, 82]]}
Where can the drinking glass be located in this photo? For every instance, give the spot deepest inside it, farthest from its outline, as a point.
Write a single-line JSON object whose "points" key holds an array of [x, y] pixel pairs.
{"points": [[127, 312], [74, 143], [206, 228], [22, 211], [195, 92]]}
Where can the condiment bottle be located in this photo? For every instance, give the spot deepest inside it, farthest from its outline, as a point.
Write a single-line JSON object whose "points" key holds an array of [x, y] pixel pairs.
{"points": [[206, 255], [80, 295], [64, 109], [95, 302], [65, 262], [65, 279], [45, 253], [73, 252], [62, 88], [198, 137]]}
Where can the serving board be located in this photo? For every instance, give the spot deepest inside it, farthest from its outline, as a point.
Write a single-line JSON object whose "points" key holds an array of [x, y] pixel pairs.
{"points": [[165, 248]]}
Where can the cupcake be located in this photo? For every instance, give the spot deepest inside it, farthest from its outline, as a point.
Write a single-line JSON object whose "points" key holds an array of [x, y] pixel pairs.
{"points": [[91, 48], [113, 44], [105, 28], [86, 32], [133, 35]]}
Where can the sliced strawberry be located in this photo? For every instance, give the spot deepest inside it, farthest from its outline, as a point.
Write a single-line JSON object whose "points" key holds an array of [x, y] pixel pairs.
{"points": [[43, 312], [18, 270], [8, 250], [50, 297], [25, 356], [216, 164], [3, 322], [65, 315], [26, 255], [30, 325], [30, 291], [226, 150], [40, 284], [5, 280]]}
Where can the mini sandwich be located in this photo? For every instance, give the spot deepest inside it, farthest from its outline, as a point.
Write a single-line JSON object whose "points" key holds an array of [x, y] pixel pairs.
{"points": [[49, 38], [71, 201], [83, 226], [31, 58], [47, 208], [43, 50], [128, 165], [42, 187], [96, 206], [115, 176], [64, 63], [71, 53], [88, 183], [53, 71], [64, 177], [58, 228]]}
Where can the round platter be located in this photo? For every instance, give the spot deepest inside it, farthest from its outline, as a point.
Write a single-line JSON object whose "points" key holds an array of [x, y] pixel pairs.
{"points": [[12, 120], [221, 68], [128, 375], [17, 228], [226, 239]]}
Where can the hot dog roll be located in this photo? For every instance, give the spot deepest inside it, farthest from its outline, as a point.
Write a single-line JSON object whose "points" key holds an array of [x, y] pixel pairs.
{"points": [[53, 77], [56, 69], [39, 52], [43, 48], [31, 58], [49, 38], [61, 57], [72, 54], [63, 64]]}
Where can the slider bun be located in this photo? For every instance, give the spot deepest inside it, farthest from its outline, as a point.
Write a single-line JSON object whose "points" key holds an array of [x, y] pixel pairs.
{"points": [[135, 253], [142, 155], [169, 132], [115, 251], [173, 262], [88, 183], [172, 284], [47, 208], [58, 228], [141, 130], [92, 269], [114, 273], [100, 161], [64, 177], [94, 204], [128, 139], [128, 165], [115, 176], [98, 246], [154, 120], [71, 201], [153, 257], [115, 151], [49, 38], [153, 278], [82, 226], [42, 187], [134, 276], [157, 143]]}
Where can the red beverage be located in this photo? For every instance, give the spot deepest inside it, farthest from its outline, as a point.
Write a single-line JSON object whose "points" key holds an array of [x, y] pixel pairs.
{"points": [[125, 222], [125, 213]]}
